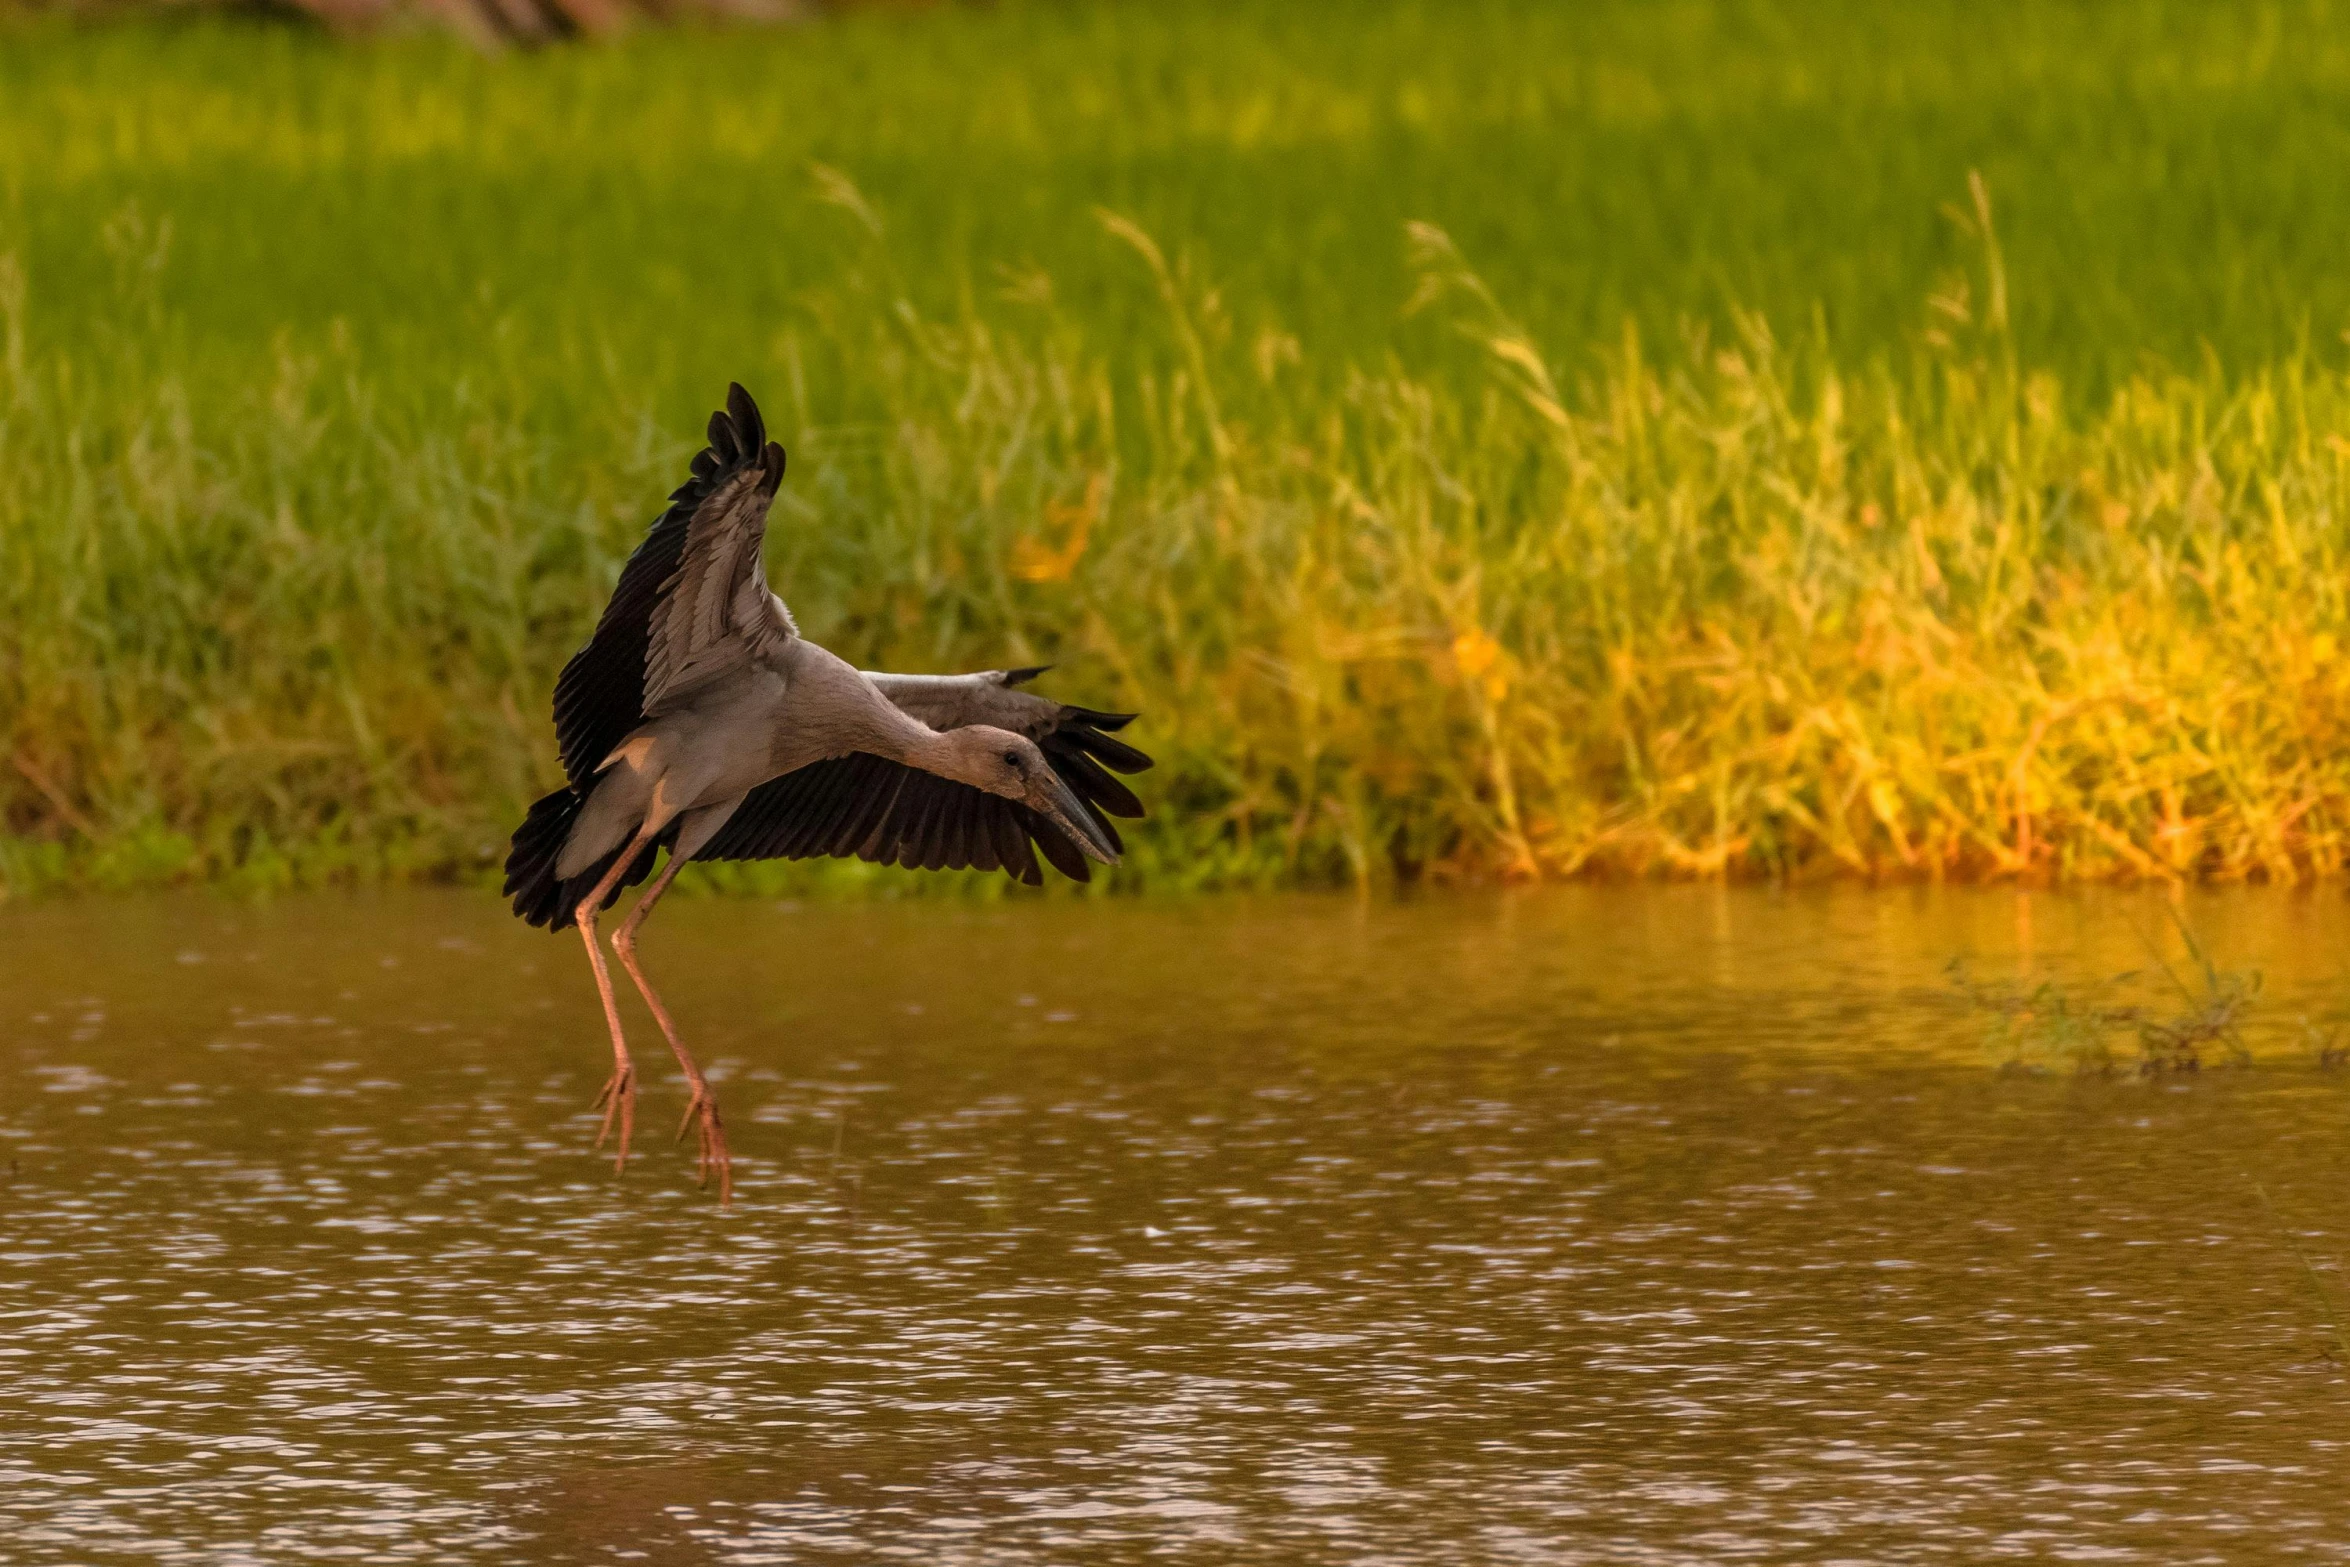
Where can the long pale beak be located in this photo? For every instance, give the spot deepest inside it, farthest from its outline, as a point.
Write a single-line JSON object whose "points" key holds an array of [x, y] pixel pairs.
{"points": [[1058, 803]]}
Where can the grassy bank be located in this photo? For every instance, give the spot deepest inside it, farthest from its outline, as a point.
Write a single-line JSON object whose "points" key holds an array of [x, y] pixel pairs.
{"points": [[1688, 491]]}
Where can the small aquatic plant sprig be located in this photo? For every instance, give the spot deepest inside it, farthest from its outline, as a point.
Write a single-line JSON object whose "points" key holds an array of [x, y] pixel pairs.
{"points": [[2078, 1024], [2210, 1012], [2050, 1023], [2337, 1348]]}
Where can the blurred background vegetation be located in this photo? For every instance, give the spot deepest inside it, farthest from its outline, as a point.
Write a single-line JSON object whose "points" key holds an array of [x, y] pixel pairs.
{"points": [[486, 24], [1488, 439]]}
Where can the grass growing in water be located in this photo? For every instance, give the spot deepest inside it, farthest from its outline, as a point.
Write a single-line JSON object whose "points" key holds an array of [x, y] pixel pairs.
{"points": [[2338, 1349], [2056, 1023], [333, 386]]}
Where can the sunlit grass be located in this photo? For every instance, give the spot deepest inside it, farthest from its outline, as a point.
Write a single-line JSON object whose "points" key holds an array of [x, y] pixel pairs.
{"points": [[334, 385]]}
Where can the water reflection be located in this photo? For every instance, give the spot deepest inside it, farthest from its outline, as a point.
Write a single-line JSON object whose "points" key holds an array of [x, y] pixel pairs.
{"points": [[1631, 1225]]}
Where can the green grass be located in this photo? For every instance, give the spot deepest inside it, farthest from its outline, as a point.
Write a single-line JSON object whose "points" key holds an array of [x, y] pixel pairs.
{"points": [[1731, 503]]}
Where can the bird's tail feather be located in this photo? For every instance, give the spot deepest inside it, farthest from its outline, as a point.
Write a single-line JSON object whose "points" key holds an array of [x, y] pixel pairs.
{"points": [[540, 896]]}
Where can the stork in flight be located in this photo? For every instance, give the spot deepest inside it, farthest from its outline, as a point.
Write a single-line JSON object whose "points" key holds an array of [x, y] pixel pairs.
{"points": [[697, 719]]}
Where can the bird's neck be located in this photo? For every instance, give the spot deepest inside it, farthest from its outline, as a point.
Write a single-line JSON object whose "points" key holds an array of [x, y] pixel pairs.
{"points": [[904, 738]]}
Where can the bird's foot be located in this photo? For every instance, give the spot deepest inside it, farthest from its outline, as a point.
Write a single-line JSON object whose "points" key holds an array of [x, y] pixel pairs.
{"points": [[618, 1102], [711, 1154]]}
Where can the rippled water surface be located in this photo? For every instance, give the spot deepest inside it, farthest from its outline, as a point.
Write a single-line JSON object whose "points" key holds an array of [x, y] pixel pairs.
{"points": [[1662, 1225]]}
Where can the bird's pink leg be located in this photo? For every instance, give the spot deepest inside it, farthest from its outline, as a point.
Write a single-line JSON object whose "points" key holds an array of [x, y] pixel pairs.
{"points": [[712, 1152], [619, 1096]]}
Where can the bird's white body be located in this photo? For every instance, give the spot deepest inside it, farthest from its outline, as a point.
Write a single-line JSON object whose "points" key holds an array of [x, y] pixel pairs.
{"points": [[695, 763]]}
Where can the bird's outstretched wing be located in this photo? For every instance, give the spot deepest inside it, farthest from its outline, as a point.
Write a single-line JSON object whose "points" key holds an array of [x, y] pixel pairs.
{"points": [[692, 602], [891, 814]]}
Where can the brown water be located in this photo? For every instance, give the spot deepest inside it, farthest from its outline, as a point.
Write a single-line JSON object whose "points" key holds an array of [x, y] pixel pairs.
{"points": [[1644, 1225]]}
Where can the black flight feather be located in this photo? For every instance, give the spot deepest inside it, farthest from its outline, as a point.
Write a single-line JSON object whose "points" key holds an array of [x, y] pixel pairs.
{"points": [[599, 698], [887, 813]]}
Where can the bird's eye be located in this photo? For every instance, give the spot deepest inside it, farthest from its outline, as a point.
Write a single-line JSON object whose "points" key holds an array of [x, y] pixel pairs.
{"points": [[1012, 760]]}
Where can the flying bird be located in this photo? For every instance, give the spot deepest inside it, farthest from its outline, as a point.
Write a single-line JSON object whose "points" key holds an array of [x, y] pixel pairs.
{"points": [[697, 720]]}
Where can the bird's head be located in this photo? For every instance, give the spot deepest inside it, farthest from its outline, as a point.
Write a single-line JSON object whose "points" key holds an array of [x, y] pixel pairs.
{"points": [[1010, 765]]}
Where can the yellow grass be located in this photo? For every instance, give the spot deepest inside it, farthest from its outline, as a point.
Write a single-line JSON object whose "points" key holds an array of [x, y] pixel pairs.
{"points": [[1715, 609]]}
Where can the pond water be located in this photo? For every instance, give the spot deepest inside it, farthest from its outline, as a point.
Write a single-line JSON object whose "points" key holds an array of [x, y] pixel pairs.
{"points": [[1596, 1225]]}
